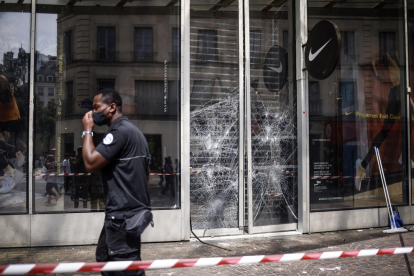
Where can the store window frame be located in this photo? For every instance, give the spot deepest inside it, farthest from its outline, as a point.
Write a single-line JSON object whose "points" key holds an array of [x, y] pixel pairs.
{"points": [[394, 36], [34, 216]]}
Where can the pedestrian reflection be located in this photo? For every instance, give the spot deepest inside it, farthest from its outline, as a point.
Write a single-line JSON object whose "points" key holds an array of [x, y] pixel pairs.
{"points": [[51, 179], [68, 179], [81, 182], [169, 177]]}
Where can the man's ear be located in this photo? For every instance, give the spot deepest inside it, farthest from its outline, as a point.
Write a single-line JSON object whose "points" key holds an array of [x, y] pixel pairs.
{"points": [[113, 107]]}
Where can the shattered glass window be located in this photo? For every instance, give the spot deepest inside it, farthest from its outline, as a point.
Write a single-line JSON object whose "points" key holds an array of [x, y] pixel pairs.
{"points": [[273, 116], [214, 129]]}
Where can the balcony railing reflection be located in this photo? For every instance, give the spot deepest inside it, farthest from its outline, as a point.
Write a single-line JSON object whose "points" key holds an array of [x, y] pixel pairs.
{"points": [[106, 55], [144, 56]]}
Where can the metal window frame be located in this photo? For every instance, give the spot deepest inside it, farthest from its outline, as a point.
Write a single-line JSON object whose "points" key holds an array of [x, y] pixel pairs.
{"points": [[302, 113], [30, 174], [248, 117], [186, 142], [343, 219], [408, 110], [185, 120], [301, 25], [242, 88]]}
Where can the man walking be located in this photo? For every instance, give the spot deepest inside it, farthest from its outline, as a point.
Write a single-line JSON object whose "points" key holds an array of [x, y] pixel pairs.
{"points": [[123, 159]]}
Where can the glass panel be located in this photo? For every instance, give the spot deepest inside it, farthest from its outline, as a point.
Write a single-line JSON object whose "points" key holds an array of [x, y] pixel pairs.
{"points": [[14, 105], [214, 132], [358, 107], [87, 48], [273, 114]]}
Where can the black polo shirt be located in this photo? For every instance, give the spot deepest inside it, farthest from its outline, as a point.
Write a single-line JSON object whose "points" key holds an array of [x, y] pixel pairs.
{"points": [[125, 177]]}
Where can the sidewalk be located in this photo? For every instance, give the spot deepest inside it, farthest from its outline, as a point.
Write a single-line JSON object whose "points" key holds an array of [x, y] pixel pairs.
{"points": [[320, 242]]}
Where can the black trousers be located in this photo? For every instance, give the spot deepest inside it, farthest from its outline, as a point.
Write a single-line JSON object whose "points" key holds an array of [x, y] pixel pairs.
{"points": [[115, 245], [68, 183]]}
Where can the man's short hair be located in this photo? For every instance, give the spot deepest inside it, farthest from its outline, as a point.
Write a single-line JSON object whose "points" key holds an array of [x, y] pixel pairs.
{"points": [[109, 96]]}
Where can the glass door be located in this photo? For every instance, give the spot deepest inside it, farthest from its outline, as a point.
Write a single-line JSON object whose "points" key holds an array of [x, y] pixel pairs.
{"points": [[271, 117], [243, 167], [216, 127]]}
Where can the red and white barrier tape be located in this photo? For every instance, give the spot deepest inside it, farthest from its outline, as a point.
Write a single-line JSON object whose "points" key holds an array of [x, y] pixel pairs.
{"points": [[62, 174], [82, 174], [287, 172], [164, 173], [24, 269]]}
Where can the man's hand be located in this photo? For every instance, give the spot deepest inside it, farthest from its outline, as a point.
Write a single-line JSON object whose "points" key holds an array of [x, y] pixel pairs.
{"points": [[87, 121], [93, 160]]}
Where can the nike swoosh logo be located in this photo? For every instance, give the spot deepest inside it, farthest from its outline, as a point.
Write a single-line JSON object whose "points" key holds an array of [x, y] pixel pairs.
{"points": [[314, 55], [276, 69], [346, 113]]}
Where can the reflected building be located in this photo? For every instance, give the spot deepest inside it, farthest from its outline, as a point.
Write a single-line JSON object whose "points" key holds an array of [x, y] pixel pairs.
{"points": [[16, 69], [135, 55], [45, 79]]}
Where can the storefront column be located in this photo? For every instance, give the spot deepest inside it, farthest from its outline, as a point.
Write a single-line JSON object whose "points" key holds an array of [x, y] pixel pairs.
{"points": [[242, 73], [31, 106], [302, 117], [408, 110], [248, 112], [185, 119]]}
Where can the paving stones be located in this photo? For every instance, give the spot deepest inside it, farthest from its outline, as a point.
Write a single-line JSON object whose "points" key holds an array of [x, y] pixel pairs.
{"points": [[318, 242]]}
